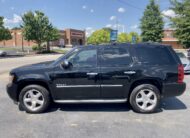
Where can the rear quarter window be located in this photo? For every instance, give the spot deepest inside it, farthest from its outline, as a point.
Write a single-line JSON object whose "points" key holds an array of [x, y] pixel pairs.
{"points": [[154, 55]]}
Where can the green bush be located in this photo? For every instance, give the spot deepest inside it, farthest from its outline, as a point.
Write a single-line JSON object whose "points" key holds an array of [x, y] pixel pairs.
{"points": [[38, 49]]}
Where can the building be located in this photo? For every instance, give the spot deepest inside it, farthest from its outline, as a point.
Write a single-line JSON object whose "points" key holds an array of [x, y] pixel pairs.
{"points": [[169, 39], [17, 39], [69, 38]]}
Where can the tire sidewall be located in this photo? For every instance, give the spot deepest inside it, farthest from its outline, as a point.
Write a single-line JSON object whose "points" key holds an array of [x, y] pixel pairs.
{"points": [[42, 90], [136, 91]]}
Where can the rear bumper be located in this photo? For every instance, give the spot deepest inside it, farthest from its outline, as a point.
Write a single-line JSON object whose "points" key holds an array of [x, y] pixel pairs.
{"points": [[12, 91], [173, 89], [186, 71]]}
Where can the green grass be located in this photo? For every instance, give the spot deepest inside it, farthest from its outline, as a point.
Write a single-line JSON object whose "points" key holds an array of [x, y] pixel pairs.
{"points": [[61, 51], [8, 48]]}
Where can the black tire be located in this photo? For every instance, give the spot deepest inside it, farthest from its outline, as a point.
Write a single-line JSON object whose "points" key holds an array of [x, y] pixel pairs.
{"points": [[136, 91], [44, 92]]}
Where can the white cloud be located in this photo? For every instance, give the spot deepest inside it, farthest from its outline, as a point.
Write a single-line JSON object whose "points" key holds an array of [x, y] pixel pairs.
{"points": [[121, 10], [15, 20], [113, 18], [92, 10], [89, 31], [169, 13], [134, 26], [84, 6], [109, 25]]}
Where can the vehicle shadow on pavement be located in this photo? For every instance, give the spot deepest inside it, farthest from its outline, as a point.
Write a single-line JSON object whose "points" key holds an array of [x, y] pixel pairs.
{"points": [[166, 104], [172, 104], [105, 107]]}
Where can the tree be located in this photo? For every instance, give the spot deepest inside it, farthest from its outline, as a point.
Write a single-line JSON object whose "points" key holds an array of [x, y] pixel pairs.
{"points": [[134, 34], [123, 38], [36, 27], [6, 35], [152, 23], [181, 21], [101, 36], [51, 35], [1, 22], [4, 32]]}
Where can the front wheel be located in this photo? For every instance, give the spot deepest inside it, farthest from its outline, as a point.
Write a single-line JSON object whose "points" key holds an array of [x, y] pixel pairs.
{"points": [[34, 99], [145, 98]]}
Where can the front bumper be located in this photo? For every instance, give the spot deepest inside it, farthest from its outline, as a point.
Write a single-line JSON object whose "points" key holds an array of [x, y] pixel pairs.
{"points": [[12, 91], [173, 89]]}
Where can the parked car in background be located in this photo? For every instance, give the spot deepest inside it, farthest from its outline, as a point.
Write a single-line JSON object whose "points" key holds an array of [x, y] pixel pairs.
{"points": [[3, 53], [141, 74], [185, 61]]}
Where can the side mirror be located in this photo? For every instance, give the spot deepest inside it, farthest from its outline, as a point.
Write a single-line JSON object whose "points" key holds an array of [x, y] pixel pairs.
{"points": [[65, 64]]}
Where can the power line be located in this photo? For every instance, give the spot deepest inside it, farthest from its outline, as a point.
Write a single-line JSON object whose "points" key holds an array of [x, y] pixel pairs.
{"points": [[129, 4]]}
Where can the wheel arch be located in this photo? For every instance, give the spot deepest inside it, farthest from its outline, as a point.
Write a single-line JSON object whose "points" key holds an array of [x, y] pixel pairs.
{"points": [[25, 83], [154, 81]]}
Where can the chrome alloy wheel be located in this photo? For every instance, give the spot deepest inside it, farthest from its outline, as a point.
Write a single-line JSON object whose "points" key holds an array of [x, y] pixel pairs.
{"points": [[146, 99], [33, 99]]}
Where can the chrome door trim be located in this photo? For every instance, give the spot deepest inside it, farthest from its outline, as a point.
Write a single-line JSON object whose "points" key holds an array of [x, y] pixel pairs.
{"points": [[87, 86], [92, 73], [129, 72], [108, 85], [76, 86], [92, 101]]}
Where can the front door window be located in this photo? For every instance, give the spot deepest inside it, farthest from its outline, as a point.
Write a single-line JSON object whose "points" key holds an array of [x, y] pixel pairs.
{"points": [[84, 58]]}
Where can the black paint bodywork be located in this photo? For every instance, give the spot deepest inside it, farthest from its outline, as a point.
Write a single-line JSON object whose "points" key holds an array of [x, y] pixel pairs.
{"points": [[52, 74]]}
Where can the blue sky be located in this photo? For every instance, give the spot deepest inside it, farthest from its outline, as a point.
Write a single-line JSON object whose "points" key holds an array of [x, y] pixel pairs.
{"points": [[81, 14]]}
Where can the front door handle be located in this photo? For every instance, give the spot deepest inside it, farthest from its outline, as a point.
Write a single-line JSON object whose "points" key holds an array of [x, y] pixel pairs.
{"points": [[92, 73], [129, 72]]}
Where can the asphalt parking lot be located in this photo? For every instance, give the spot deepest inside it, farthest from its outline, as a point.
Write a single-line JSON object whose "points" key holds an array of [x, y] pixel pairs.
{"points": [[90, 120]]}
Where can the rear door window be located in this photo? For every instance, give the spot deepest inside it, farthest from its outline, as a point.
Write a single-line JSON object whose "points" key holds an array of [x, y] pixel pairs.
{"points": [[115, 56], [154, 55]]}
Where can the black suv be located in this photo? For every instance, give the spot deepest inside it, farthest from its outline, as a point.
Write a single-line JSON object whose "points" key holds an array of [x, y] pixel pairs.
{"points": [[141, 74]]}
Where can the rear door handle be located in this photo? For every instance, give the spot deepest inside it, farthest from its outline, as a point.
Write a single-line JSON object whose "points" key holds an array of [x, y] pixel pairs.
{"points": [[92, 73], [129, 72]]}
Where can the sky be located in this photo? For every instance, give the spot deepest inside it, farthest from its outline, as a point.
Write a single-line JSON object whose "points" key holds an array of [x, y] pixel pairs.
{"points": [[86, 15]]}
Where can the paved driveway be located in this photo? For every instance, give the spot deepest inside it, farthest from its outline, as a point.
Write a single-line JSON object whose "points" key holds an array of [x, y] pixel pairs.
{"points": [[91, 120]]}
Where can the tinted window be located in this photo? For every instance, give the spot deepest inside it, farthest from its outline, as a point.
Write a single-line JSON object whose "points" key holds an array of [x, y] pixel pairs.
{"points": [[154, 55], [115, 57], [83, 58]]}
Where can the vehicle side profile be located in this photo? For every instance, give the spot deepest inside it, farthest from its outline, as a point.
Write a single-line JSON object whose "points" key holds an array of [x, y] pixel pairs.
{"points": [[141, 74]]}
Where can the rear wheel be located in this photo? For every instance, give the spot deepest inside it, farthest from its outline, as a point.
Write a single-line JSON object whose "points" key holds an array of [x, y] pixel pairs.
{"points": [[145, 98], [34, 99]]}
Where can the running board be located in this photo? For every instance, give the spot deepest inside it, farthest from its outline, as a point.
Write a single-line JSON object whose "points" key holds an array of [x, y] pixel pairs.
{"points": [[92, 101]]}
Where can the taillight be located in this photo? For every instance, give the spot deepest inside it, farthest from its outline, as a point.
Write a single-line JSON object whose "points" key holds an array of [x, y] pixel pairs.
{"points": [[180, 73]]}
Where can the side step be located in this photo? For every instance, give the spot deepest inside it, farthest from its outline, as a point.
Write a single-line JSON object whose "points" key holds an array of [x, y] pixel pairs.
{"points": [[92, 101]]}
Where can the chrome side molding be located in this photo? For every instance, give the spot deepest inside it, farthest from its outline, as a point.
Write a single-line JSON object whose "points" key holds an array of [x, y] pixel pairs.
{"points": [[130, 72], [92, 101], [86, 86]]}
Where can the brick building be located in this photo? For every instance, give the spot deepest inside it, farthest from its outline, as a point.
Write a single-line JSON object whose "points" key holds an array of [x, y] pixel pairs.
{"points": [[170, 39], [69, 38], [17, 39]]}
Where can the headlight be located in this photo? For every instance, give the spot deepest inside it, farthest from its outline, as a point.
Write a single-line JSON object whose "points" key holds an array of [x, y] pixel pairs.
{"points": [[11, 78]]}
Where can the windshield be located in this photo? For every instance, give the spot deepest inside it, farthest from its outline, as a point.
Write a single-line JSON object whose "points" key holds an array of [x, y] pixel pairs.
{"points": [[181, 55]]}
